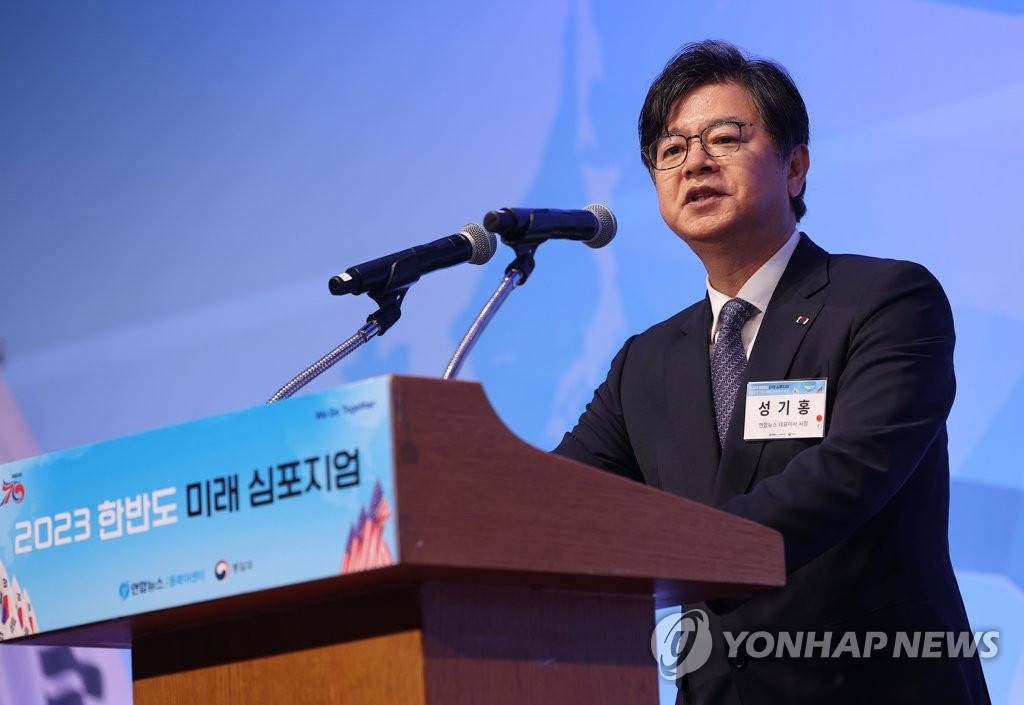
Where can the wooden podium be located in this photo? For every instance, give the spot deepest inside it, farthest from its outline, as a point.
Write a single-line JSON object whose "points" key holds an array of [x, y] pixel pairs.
{"points": [[523, 578]]}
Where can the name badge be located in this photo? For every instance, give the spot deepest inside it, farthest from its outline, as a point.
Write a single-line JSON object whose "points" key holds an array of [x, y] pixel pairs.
{"points": [[791, 408]]}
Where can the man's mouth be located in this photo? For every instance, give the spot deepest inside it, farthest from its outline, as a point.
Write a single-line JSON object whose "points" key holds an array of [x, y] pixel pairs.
{"points": [[698, 195]]}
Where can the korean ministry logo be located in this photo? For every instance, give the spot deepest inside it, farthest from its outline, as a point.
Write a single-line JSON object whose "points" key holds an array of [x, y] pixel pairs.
{"points": [[681, 643], [222, 570]]}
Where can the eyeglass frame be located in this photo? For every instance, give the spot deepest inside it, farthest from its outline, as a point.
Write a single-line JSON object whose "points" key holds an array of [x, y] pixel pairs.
{"points": [[740, 124]]}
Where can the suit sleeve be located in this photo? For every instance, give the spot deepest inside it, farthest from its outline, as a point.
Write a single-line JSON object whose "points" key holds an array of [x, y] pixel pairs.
{"points": [[891, 401], [600, 438]]}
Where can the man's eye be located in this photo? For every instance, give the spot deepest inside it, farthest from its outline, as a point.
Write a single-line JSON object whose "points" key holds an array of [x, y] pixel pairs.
{"points": [[722, 135]]}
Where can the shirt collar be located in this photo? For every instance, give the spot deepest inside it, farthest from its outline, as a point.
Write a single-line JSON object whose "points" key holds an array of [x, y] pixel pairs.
{"points": [[759, 288]]}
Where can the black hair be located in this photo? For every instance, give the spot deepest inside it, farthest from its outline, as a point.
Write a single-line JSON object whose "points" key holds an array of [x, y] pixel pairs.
{"points": [[771, 88]]}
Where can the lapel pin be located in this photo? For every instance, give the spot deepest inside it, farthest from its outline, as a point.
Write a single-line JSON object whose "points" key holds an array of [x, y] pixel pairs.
{"points": [[802, 320]]}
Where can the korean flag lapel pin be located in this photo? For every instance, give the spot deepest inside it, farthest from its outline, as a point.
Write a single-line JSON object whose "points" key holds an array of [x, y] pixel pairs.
{"points": [[802, 320]]}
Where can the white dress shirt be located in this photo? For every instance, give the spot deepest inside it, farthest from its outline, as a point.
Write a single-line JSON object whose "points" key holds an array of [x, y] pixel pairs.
{"points": [[757, 290]]}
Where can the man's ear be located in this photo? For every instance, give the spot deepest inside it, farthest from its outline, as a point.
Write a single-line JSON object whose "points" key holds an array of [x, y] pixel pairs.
{"points": [[799, 163]]}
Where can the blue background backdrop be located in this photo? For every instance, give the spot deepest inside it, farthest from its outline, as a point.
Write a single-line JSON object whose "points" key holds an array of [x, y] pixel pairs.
{"points": [[179, 180]]}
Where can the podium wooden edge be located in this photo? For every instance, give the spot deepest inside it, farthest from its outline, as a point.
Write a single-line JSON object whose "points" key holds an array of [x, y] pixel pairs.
{"points": [[573, 519]]}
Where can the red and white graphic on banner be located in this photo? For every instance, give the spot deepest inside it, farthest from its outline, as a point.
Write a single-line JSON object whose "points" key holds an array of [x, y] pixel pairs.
{"points": [[366, 547]]}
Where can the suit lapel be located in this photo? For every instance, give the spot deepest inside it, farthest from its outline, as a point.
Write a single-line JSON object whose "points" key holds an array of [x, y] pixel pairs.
{"points": [[778, 340], [693, 453]]}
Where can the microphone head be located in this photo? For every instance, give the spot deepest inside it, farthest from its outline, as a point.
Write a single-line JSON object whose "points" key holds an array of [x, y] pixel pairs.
{"points": [[502, 222], [606, 226], [482, 243]]}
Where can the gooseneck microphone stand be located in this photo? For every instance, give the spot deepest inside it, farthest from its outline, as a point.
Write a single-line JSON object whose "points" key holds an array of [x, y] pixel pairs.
{"points": [[524, 230], [516, 274], [377, 323]]}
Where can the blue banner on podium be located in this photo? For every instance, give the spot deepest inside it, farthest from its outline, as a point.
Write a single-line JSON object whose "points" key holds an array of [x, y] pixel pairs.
{"points": [[280, 494]]}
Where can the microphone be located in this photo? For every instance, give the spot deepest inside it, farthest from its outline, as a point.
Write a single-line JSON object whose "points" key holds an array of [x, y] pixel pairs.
{"points": [[472, 244], [595, 225]]}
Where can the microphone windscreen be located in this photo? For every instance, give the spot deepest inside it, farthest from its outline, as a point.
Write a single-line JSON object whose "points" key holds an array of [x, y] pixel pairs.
{"points": [[482, 243], [606, 226]]}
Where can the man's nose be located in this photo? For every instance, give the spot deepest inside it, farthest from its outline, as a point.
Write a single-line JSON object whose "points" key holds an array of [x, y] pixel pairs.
{"points": [[697, 159]]}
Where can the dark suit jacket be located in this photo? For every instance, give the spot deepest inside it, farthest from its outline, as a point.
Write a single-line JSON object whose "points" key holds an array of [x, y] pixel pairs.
{"points": [[863, 512]]}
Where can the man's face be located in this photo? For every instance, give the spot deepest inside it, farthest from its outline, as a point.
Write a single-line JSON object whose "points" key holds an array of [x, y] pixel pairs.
{"points": [[740, 199]]}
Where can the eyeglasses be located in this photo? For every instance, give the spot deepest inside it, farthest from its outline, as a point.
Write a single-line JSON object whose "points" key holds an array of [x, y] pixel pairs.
{"points": [[717, 140]]}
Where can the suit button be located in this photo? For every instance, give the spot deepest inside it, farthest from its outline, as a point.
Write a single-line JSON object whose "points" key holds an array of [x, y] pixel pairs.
{"points": [[739, 661]]}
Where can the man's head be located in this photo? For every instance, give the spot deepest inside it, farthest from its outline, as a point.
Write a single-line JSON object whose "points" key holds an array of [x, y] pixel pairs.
{"points": [[780, 111]]}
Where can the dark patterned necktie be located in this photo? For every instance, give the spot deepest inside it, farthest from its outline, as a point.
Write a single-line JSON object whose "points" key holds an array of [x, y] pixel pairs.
{"points": [[728, 361]]}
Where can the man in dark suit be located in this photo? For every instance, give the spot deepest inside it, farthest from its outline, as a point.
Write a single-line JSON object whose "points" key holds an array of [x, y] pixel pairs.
{"points": [[862, 503]]}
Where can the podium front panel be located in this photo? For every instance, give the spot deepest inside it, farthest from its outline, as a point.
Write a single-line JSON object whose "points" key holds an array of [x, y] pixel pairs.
{"points": [[275, 495]]}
